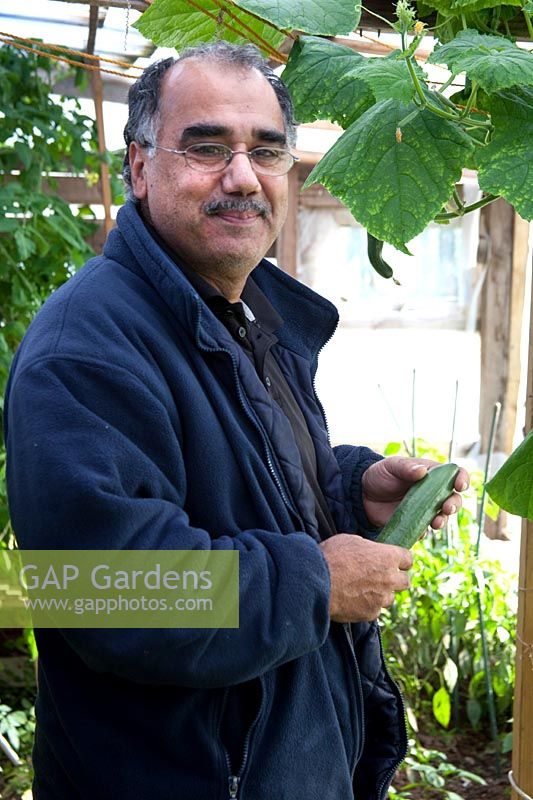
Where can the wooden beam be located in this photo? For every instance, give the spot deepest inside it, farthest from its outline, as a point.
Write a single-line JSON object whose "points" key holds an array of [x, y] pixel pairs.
{"points": [[137, 5], [523, 699]]}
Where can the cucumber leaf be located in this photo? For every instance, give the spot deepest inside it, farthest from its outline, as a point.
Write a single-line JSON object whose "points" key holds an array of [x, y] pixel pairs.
{"points": [[505, 166], [394, 188], [175, 23], [512, 486], [492, 61], [319, 17], [387, 77], [313, 75]]}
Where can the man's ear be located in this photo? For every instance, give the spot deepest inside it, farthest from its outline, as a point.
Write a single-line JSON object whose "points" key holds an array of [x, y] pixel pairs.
{"points": [[139, 180]]}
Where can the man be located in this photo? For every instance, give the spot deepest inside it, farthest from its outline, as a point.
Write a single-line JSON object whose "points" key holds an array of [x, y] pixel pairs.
{"points": [[164, 399]]}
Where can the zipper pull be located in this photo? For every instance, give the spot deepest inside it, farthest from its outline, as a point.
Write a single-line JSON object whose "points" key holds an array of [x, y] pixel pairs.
{"points": [[233, 786]]}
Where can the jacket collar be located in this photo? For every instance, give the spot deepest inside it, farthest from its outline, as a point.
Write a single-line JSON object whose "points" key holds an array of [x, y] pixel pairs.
{"points": [[309, 319]]}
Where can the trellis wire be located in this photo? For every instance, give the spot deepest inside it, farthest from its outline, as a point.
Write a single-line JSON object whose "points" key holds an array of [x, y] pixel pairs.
{"points": [[517, 788]]}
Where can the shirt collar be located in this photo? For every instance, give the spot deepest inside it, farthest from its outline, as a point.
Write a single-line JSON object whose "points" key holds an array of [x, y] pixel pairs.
{"points": [[253, 300]]}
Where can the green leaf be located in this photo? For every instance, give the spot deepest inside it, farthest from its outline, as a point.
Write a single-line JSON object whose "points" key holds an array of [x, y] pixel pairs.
{"points": [[442, 707], [175, 23], [512, 486], [394, 188], [25, 244], [492, 61], [313, 75], [319, 17], [387, 77], [506, 164], [450, 673], [473, 710], [507, 744]]}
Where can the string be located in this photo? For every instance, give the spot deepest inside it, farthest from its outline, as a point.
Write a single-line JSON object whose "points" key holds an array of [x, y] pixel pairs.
{"points": [[61, 59], [69, 51]]}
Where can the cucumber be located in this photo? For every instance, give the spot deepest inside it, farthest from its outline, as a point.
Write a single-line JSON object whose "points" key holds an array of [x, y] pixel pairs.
{"points": [[374, 248], [420, 505]]}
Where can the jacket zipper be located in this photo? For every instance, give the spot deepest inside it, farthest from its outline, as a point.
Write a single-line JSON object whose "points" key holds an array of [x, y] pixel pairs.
{"points": [[252, 416], [349, 637], [234, 779], [390, 774], [321, 407]]}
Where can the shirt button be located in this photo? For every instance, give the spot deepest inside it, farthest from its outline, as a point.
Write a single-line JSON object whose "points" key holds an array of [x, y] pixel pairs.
{"points": [[242, 332], [268, 382]]}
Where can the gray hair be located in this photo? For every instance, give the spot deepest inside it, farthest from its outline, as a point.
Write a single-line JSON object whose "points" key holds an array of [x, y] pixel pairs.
{"points": [[144, 95]]}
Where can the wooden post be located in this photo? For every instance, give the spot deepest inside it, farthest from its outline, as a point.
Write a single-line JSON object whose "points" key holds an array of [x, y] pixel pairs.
{"points": [[501, 320], [104, 169], [523, 700], [287, 243], [98, 97]]}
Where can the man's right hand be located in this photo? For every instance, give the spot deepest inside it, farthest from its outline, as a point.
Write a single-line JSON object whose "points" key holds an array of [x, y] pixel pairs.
{"points": [[364, 576]]}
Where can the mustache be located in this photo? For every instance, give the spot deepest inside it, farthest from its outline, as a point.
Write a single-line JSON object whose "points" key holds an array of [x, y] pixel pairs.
{"points": [[234, 204]]}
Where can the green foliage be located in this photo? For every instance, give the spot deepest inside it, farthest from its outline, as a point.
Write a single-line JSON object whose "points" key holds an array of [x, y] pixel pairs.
{"points": [[433, 636], [318, 91], [18, 726], [492, 61], [505, 164], [42, 241], [430, 769], [326, 19], [421, 172], [512, 487], [405, 143], [175, 23]]}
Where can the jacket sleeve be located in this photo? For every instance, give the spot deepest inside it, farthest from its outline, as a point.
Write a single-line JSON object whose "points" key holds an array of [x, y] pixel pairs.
{"points": [[353, 461], [90, 467]]}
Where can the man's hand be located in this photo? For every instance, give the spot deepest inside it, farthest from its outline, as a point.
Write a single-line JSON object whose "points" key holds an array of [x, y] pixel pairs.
{"points": [[386, 482], [364, 576]]}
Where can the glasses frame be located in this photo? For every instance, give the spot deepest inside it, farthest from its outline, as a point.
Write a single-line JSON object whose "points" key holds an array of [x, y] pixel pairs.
{"points": [[229, 158]]}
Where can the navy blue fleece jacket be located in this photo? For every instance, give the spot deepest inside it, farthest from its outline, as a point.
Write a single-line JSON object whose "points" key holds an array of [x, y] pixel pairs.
{"points": [[134, 421]]}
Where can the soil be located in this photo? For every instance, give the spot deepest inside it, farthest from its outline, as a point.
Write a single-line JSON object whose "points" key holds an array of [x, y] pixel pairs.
{"points": [[472, 752]]}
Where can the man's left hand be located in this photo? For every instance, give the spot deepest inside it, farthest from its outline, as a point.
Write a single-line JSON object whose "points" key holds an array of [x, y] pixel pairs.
{"points": [[386, 482]]}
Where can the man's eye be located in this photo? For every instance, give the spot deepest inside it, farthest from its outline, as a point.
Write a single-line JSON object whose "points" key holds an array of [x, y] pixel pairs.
{"points": [[266, 154], [208, 150]]}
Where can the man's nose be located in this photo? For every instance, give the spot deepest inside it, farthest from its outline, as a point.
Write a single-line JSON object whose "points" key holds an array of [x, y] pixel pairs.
{"points": [[239, 176]]}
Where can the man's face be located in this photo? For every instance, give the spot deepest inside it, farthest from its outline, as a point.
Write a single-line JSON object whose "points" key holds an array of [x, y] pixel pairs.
{"points": [[202, 102]]}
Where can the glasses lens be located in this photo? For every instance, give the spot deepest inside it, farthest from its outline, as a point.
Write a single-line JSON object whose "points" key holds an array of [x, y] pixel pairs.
{"points": [[207, 157], [271, 161]]}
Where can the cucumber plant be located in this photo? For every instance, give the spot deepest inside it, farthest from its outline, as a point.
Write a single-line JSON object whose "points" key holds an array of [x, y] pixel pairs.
{"points": [[405, 142]]}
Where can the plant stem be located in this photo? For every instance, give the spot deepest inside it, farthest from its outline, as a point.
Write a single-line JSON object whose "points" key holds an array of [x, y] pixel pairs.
{"points": [[460, 205], [466, 209], [486, 662], [527, 17], [446, 84], [471, 100], [413, 417], [373, 14]]}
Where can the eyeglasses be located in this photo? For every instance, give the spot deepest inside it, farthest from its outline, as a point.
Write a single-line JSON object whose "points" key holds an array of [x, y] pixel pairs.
{"points": [[214, 157]]}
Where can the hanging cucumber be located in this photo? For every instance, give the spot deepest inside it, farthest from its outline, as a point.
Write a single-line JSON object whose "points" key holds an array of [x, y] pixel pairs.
{"points": [[374, 249], [420, 505]]}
